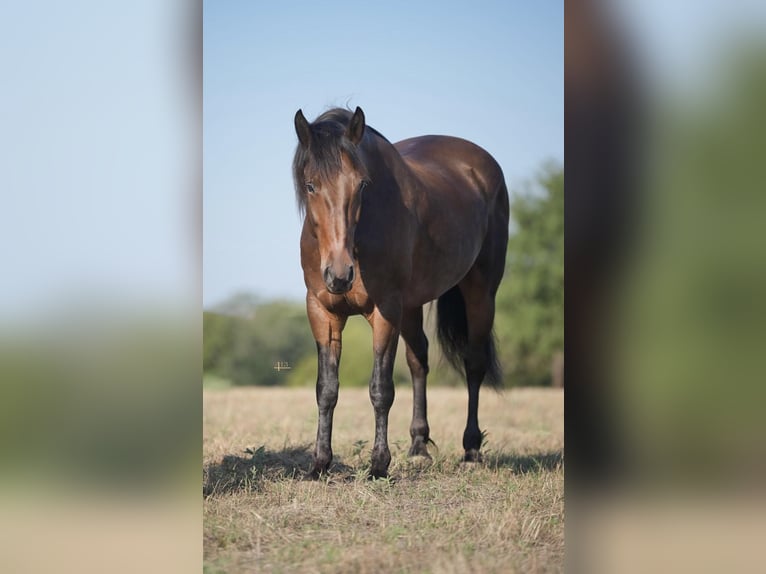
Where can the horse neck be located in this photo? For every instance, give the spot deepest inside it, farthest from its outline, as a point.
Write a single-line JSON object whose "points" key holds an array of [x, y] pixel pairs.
{"points": [[392, 161]]}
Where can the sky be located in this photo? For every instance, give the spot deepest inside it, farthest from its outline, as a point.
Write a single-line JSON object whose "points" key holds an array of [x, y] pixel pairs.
{"points": [[490, 72], [100, 123], [98, 140]]}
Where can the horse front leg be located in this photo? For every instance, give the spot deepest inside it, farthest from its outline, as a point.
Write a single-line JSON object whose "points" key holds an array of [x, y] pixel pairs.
{"points": [[385, 321], [417, 360], [327, 329]]}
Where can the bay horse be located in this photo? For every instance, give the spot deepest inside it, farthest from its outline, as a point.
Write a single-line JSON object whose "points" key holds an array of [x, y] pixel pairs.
{"points": [[387, 228]]}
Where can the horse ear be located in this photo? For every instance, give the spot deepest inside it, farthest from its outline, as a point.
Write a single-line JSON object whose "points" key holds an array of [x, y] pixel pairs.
{"points": [[302, 128], [355, 129]]}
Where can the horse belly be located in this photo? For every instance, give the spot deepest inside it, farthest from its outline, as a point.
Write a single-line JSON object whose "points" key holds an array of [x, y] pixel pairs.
{"points": [[440, 267]]}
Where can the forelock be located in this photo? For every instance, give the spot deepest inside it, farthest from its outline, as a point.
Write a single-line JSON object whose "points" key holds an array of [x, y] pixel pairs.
{"points": [[321, 159]]}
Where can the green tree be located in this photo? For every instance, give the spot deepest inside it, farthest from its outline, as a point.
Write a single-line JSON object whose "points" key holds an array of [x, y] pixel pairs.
{"points": [[530, 302], [244, 350], [218, 332]]}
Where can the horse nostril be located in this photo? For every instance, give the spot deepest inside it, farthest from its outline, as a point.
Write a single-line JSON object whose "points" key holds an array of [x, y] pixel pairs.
{"points": [[338, 283]]}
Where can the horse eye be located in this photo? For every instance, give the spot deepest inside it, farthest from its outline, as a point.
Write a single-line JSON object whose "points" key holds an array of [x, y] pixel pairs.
{"points": [[364, 184], [310, 187]]}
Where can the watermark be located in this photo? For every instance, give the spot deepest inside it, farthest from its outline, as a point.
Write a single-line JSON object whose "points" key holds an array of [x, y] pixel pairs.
{"points": [[282, 366]]}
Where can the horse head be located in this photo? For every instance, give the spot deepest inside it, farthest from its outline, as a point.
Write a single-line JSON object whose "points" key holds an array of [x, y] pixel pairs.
{"points": [[329, 178]]}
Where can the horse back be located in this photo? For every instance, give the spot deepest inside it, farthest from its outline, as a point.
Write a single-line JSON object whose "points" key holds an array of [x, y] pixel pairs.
{"points": [[459, 195], [446, 164]]}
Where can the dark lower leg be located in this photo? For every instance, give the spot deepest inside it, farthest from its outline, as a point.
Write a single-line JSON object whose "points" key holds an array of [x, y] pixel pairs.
{"points": [[480, 312], [472, 434], [417, 361], [419, 431], [327, 398], [382, 397], [385, 321], [475, 368]]}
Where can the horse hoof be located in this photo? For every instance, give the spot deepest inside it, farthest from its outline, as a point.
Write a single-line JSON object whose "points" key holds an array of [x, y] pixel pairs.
{"points": [[418, 459], [316, 472], [419, 450], [472, 456], [376, 474], [420, 447]]}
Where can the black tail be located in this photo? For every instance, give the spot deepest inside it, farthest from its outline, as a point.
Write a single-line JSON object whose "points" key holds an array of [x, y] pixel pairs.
{"points": [[452, 331]]}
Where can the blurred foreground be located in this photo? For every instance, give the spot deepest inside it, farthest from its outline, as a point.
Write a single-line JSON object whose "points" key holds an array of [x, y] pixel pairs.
{"points": [[99, 445], [100, 404], [665, 317]]}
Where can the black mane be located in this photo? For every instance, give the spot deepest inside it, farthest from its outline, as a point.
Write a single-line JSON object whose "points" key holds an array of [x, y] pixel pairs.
{"points": [[321, 159]]}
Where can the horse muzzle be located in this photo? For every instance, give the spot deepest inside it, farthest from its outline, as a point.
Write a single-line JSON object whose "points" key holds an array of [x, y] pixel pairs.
{"points": [[338, 283]]}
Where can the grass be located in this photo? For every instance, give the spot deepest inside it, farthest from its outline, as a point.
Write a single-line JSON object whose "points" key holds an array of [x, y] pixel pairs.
{"points": [[443, 516]]}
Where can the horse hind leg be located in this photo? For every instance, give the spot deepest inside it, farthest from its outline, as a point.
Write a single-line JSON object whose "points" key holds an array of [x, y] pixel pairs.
{"points": [[475, 367], [479, 358], [417, 360]]}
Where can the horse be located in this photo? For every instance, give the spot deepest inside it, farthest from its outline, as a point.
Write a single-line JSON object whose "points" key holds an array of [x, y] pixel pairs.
{"points": [[388, 228]]}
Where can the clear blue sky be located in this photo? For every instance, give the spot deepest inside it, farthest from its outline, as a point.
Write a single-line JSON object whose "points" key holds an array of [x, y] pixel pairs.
{"points": [[491, 72], [99, 138], [98, 145]]}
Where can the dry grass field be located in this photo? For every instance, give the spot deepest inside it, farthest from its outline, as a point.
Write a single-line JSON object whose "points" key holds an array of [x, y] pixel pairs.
{"points": [[503, 515]]}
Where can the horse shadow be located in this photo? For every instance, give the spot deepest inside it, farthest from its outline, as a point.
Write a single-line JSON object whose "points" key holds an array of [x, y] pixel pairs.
{"points": [[523, 464], [247, 473], [236, 473]]}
